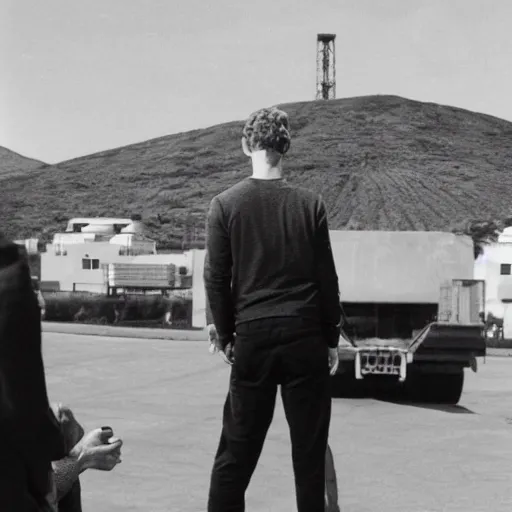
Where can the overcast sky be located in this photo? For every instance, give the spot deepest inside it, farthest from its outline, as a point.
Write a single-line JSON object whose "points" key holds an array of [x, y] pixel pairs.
{"points": [[80, 76]]}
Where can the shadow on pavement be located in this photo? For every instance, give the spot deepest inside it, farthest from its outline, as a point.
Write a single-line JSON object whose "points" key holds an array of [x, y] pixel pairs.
{"points": [[451, 409], [346, 388], [398, 396]]}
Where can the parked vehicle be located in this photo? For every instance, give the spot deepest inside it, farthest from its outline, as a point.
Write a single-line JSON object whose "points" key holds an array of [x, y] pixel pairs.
{"points": [[396, 332]]}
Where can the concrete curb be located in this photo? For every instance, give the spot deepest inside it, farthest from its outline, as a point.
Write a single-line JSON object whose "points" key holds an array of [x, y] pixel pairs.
{"points": [[164, 334], [126, 332], [499, 352]]}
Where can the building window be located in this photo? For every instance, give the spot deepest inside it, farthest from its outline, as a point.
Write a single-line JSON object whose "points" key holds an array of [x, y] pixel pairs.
{"points": [[505, 269], [119, 227], [59, 251], [77, 228], [90, 264]]}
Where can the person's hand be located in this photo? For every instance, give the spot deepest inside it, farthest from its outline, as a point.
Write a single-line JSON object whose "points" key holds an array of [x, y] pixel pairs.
{"points": [[99, 450], [228, 354], [334, 360], [213, 339]]}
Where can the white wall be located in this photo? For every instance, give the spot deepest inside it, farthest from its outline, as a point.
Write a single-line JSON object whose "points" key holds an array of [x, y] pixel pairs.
{"points": [[67, 269], [497, 287], [198, 289]]}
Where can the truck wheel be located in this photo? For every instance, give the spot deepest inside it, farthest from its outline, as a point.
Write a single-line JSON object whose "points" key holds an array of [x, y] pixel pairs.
{"points": [[439, 388], [345, 385]]}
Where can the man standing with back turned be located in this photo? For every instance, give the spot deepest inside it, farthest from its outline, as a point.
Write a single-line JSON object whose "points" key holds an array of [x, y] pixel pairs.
{"points": [[272, 286]]}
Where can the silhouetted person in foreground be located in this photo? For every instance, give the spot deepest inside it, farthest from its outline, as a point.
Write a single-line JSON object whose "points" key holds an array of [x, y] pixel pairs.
{"points": [[43, 449], [30, 435], [273, 292]]}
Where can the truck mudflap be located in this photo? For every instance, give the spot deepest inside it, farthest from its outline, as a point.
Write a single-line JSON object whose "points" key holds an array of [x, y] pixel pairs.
{"points": [[440, 343]]}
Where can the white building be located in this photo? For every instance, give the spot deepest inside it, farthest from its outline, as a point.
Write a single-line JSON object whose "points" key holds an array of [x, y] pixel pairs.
{"points": [[76, 260], [494, 266]]}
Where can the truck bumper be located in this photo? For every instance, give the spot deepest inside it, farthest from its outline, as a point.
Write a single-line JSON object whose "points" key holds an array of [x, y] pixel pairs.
{"points": [[375, 360], [439, 348]]}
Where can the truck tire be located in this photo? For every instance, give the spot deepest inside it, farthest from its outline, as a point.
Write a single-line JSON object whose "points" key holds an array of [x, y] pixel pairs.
{"points": [[345, 386], [438, 388]]}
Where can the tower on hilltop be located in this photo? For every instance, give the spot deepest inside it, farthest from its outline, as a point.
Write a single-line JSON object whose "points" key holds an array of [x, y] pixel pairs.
{"points": [[325, 67]]}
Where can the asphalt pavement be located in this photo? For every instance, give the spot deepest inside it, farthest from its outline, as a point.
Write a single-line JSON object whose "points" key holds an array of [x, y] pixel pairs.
{"points": [[165, 401]]}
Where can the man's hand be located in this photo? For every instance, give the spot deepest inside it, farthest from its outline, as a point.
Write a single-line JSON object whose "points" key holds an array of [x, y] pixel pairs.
{"points": [[227, 354], [334, 360], [213, 338], [99, 450]]}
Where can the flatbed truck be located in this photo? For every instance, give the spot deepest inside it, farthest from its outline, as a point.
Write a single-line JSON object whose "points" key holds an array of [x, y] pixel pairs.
{"points": [[396, 334]]}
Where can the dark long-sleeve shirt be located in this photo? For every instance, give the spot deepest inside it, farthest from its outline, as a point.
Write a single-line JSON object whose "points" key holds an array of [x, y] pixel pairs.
{"points": [[268, 254]]}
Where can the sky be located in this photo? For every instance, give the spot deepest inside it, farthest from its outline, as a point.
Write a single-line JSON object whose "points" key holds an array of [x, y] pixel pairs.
{"points": [[82, 76]]}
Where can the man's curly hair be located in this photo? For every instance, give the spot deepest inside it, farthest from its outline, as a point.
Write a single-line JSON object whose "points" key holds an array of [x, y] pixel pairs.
{"points": [[268, 128]]}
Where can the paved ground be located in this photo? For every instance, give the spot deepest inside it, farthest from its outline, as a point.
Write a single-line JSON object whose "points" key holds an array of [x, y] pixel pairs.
{"points": [[164, 399], [170, 334]]}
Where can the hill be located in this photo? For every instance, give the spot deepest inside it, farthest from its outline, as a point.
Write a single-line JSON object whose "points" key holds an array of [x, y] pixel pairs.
{"points": [[381, 162], [13, 164]]}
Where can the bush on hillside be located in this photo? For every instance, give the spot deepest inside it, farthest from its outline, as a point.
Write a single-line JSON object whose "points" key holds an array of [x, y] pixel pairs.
{"points": [[482, 231]]}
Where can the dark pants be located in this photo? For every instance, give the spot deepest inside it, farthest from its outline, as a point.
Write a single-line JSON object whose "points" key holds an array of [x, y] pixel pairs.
{"points": [[268, 353]]}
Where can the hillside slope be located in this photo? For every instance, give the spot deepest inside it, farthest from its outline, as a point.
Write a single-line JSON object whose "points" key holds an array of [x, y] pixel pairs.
{"points": [[13, 164], [381, 162]]}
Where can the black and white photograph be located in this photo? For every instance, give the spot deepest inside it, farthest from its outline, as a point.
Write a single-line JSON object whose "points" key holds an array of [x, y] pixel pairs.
{"points": [[255, 256]]}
